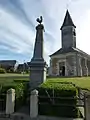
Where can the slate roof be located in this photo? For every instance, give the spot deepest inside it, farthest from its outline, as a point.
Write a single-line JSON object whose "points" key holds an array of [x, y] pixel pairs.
{"points": [[8, 62], [71, 49], [28, 63], [67, 20]]}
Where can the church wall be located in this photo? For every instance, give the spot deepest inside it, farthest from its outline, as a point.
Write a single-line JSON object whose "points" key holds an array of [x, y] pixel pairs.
{"points": [[84, 66], [75, 65], [54, 66], [88, 65], [78, 64], [71, 65], [69, 62]]}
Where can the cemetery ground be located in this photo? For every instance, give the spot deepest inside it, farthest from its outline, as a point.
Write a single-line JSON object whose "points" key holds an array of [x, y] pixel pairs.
{"points": [[82, 82]]}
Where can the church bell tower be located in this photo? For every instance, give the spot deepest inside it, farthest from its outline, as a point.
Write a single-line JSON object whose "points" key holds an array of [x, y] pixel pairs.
{"points": [[68, 33]]}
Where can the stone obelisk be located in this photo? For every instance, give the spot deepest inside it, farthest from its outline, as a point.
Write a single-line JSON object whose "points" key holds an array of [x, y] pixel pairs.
{"points": [[38, 65]]}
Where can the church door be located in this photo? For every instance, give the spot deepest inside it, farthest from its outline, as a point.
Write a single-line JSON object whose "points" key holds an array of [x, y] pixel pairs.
{"points": [[62, 69]]}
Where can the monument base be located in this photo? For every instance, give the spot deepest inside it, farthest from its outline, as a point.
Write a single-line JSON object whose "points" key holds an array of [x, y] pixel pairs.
{"points": [[37, 74]]}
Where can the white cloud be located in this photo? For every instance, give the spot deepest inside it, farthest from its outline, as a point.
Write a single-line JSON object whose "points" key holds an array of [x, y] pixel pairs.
{"points": [[17, 35], [83, 35]]}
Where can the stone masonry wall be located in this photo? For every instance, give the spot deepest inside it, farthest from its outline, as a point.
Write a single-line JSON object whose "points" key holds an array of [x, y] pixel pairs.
{"points": [[84, 67], [71, 65], [54, 66], [88, 65], [79, 66]]}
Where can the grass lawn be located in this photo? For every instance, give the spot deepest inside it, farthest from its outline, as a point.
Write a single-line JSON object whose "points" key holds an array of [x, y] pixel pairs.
{"points": [[12, 75], [9, 78], [83, 82]]}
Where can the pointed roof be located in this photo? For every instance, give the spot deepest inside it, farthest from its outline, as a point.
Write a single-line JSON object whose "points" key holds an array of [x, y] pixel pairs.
{"points": [[67, 20]]}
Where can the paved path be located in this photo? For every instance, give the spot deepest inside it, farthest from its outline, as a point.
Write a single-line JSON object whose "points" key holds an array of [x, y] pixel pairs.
{"points": [[20, 116], [23, 114]]}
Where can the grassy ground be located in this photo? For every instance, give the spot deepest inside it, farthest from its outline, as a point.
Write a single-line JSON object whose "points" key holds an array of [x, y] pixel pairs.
{"points": [[9, 78], [12, 75], [83, 82]]}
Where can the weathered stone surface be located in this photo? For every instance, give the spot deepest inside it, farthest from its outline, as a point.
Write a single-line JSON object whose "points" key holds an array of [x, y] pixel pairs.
{"points": [[79, 66], [10, 101], [37, 76], [34, 104], [87, 107], [84, 67], [71, 65], [68, 38], [38, 65], [88, 65]]}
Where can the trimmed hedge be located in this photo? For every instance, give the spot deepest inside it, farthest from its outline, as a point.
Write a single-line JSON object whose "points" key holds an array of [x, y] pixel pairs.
{"points": [[58, 90], [61, 89], [20, 92]]}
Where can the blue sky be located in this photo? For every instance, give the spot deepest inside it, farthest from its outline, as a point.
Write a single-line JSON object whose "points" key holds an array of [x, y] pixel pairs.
{"points": [[18, 21]]}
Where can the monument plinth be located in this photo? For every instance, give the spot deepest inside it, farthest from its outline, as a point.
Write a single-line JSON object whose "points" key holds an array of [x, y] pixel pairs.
{"points": [[38, 65]]}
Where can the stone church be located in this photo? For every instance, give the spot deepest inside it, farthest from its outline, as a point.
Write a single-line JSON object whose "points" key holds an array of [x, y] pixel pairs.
{"points": [[69, 60]]}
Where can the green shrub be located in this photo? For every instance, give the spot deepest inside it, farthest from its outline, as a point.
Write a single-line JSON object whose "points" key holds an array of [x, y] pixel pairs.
{"points": [[65, 107], [20, 92], [67, 90], [2, 70], [7, 86]]}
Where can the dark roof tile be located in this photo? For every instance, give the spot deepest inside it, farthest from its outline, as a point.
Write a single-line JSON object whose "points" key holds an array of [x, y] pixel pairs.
{"points": [[67, 20], [71, 49]]}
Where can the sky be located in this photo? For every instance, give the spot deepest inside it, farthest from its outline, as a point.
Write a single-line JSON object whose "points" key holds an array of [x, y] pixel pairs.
{"points": [[18, 21]]}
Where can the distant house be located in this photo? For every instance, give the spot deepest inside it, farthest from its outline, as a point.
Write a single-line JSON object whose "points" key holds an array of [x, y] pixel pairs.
{"points": [[8, 65], [28, 63], [23, 68]]}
